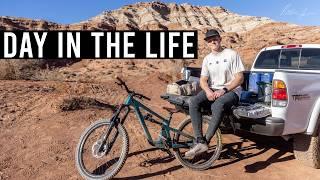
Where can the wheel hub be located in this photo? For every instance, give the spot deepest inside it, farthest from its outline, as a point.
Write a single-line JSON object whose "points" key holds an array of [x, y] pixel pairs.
{"points": [[97, 150]]}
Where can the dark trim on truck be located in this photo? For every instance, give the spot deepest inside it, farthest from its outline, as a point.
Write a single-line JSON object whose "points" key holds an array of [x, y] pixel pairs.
{"points": [[269, 126], [298, 71]]}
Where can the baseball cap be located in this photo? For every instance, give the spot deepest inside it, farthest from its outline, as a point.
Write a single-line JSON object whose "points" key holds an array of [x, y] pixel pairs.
{"points": [[211, 33]]}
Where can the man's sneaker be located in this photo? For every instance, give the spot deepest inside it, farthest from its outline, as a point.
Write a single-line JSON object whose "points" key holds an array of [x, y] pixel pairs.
{"points": [[197, 149]]}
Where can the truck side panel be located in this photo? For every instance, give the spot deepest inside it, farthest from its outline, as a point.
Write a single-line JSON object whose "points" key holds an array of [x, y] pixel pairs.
{"points": [[303, 90], [314, 119]]}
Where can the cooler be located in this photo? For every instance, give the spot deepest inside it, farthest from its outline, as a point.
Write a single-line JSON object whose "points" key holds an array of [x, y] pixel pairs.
{"points": [[254, 78]]}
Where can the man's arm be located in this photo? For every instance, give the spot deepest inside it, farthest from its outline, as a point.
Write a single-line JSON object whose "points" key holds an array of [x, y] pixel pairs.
{"points": [[237, 81], [237, 69], [205, 86], [204, 83]]}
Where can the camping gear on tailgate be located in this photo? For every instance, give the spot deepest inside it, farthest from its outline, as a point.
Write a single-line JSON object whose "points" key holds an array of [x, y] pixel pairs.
{"points": [[248, 97], [183, 88], [254, 78], [265, 92], [186, 74], [267, 77], [261, 84], [266, 87]]}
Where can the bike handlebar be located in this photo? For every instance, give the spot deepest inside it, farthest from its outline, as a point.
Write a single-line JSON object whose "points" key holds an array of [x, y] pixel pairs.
{"points": [[140, 96], [123, 84]]}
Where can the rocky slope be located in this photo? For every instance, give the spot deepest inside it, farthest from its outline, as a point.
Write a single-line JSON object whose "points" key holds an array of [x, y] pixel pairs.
{"points": [[41, 121], [246, 34], [158, 15], [154, 15]]}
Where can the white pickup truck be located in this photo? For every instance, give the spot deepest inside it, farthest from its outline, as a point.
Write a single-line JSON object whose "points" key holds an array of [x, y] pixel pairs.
{"points": [[295, 95], [294, 102]]}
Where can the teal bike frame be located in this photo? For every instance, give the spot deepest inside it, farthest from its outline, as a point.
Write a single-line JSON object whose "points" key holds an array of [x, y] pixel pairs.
{"points": [[164, 141]]}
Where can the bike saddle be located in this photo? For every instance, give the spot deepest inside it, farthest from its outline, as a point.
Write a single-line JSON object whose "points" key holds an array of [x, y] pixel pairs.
{"points": [[171, 110]]}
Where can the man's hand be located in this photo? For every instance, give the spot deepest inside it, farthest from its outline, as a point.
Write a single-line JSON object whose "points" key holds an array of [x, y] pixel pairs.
{"points": [[218, 93], [210, 95]]}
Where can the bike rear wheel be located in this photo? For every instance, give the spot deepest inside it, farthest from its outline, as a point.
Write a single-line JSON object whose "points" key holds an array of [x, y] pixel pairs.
{"points": [[204, 160], [98, 160]]}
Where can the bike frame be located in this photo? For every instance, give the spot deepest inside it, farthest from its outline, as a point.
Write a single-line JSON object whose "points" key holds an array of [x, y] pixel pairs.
{"points": [[166, 141]]}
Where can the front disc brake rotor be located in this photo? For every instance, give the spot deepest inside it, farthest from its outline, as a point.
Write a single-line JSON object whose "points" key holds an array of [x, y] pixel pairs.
{"points": [[98, 152]]}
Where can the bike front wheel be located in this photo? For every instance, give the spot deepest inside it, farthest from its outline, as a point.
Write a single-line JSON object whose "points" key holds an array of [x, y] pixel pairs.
{"points": [[204, 160], [100, 157]]}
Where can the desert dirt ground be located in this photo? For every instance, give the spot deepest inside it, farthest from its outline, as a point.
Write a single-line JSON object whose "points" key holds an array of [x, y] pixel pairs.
{"points": [[39, 131]]}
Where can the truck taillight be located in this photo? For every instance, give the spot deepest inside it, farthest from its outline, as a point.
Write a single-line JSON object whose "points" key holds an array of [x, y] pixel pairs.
{"points": [[279, 94]]}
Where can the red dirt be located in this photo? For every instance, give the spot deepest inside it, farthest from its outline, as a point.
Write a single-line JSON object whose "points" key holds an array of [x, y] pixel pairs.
{"points": [[38, 140]]}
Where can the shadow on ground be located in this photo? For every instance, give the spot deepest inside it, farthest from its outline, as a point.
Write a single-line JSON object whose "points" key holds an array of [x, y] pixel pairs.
{"points": [[233, 153]]}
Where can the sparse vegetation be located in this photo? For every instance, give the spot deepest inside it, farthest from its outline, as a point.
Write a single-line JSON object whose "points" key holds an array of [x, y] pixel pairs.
{"points": [[77, 103]]}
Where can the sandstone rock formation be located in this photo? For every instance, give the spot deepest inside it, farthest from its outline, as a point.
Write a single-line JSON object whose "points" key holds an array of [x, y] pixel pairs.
{"points": [[246, 34], [157, 15]]}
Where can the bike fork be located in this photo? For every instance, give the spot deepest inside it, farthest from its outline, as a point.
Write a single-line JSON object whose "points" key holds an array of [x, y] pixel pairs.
{"points": [[115, 120], [104, 137]]}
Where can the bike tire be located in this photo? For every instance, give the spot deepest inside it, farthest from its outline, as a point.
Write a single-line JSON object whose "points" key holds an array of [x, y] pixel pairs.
{"points": [[124, 151], [206, 164]]}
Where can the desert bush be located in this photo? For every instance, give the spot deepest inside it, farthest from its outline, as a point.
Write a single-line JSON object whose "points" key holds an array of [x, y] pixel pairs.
{"points": [[77, 103], [14, 69]]}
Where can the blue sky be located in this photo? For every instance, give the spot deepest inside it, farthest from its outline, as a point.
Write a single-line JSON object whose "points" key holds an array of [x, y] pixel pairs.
{"points": [[305, 12]]}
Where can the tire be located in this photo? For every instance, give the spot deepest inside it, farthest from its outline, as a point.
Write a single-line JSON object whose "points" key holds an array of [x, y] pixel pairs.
{"points": [[306, 149], [209, 157], [121, 136]]}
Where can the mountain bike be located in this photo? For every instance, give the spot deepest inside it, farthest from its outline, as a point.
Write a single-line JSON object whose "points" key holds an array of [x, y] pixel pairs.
{"points": [[103, 147]]}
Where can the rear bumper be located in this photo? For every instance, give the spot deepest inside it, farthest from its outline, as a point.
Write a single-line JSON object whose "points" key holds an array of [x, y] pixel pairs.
{"points": [[269, 126]]}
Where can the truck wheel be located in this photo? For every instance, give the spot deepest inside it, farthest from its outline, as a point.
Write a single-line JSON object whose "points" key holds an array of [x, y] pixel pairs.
{"points": [[306, 149]]}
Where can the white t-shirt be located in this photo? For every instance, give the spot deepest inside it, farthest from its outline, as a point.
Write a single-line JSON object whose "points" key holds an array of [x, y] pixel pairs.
{"points": [[221, 68]]}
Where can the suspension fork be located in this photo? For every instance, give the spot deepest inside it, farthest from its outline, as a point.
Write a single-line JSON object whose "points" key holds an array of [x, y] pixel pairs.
{"points": [[114, 123]]}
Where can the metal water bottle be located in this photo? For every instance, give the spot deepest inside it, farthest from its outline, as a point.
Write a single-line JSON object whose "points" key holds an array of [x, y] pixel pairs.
{"points": [[186, 74]]}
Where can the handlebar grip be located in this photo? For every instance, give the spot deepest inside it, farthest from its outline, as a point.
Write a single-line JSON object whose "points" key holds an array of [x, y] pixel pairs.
{"points": [[145, 97], [119, 80], [140, 96]]}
